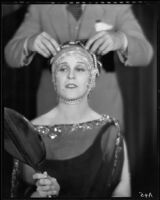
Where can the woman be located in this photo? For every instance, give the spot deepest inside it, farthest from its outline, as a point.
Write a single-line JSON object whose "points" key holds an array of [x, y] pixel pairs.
{"points": [[86, 154]]}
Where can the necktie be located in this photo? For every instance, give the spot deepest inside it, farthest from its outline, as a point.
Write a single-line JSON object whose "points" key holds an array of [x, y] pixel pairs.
{"points": [[75, 10]]}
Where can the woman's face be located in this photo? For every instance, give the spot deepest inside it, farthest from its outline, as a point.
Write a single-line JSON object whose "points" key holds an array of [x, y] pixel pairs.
{"points": [[72, 76]]}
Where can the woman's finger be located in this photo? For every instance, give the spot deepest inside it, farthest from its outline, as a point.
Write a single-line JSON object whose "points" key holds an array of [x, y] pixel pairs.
{"points": [[44, 188], [39, 175], [52, 193], [42, 193], [44, 181]]}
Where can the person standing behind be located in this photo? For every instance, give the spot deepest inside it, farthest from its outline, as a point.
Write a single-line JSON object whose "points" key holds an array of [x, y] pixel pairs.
{"points": [[46, 26]]}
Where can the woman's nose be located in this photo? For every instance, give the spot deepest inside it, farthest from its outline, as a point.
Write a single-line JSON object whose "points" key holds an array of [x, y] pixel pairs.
{"points": [[71, 74]]}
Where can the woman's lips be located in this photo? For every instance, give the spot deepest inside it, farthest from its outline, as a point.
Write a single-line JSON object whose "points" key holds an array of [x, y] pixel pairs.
{"points": [[71, 85]]}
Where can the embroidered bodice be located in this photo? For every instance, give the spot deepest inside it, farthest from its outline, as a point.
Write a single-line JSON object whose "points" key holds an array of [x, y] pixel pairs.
{"points": [[85, 158]]}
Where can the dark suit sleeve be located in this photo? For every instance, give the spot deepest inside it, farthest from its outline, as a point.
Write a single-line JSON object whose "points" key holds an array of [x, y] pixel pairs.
{"points": [[14, 50]]}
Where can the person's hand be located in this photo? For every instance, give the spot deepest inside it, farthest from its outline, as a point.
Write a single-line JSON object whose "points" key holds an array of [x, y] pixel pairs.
{"points": [[43, 44], [105, 41], [46, 185]]}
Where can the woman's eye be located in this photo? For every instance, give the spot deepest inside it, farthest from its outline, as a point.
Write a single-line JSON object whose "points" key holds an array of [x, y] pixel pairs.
{"points": [[80, 69], [62, 69]]}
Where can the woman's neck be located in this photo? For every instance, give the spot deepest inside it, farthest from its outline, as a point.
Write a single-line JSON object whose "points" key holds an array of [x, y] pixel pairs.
{"points": [[73, 113]]}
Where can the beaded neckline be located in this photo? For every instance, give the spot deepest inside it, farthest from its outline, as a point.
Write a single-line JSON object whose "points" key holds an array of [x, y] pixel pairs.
{"points": [[59, 129]]}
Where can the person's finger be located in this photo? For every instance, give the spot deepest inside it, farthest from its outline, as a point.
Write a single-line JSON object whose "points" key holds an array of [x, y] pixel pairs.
{"points": [[43, 50], [55, 186], [44, 188], [44, 181], [94, 48], [104, 46], [94, 38], [53, 192], [52, 179], [108, 49], [39, 175], [45, 174], [48, 188], [42, 193], [40, 48], [42, 53], [55, 44], [53, 41], [49, 46]]}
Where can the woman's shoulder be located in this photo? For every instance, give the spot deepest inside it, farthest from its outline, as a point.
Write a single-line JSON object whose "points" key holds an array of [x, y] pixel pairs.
{"points": [[113, 126], [110, 125], [108, 120], [93, 115], [112, 121], [38, 120], [43, 119]]}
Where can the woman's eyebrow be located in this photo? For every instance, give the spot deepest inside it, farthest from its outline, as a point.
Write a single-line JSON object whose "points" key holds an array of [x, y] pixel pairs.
{"points": [[63, 63], [80, 62]]}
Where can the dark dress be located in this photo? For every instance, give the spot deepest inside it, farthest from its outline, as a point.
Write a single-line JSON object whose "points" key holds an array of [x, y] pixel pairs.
{"points": [[86, 158]]}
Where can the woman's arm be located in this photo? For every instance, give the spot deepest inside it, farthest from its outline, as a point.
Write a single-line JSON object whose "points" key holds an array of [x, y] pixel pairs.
{"points": [[123, 189]]}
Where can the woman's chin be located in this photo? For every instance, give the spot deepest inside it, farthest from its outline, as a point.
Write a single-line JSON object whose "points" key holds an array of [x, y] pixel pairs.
{"points": [[70, 95]]}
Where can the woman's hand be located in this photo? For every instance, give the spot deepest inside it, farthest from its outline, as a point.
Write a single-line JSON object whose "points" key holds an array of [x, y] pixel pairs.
{"points": [[43, 44], [46, 185], [105, 41]]}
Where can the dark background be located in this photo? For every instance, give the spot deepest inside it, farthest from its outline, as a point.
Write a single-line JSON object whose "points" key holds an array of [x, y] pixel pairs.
{"points": [[139, 90]]}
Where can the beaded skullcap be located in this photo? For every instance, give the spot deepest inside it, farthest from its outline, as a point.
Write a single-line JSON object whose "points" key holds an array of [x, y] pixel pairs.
{"points": [[77, 48]]}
